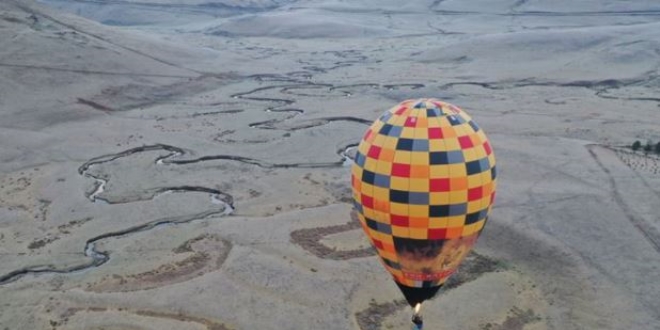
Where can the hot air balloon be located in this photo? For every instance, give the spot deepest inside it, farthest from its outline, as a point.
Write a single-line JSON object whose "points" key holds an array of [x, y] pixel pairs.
{"points": [[423, 184]]}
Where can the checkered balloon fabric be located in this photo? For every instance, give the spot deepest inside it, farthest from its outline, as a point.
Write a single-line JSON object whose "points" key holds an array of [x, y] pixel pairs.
{"points": [[423, 185]]}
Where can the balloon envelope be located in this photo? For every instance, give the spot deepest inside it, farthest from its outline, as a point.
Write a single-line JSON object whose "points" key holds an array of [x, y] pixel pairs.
{"points": [[423, 185]]}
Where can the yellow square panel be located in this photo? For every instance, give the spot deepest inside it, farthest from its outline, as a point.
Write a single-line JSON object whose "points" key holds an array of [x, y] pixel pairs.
{"points": [[379, 140], [460, 130], [439, 198], [456, 221], [384, 167], [369, 213], [458, 197], [485, 201], [372, 232], [402, 157], [357, 172], [381, 216], [408, 132], [367, 188], [390, 142], [491, 160], [433, 122], [381, 193], [470, 154], [466, 129], [421, 133], [397, 120], [418, 233], [436, 223], [479, 225], [437, 145], [398, 183], [474, 181], [420, 158], [418, 185], [479, 152], [399, 209], [439, 171], [398, 231], [419, 211], [469, 229], [452, 144], [379, 236], [457, 170], [370, 164], [486, 176], [474, 206]]}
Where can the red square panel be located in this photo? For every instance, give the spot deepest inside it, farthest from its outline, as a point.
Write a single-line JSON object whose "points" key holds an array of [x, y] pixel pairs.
{"points": [[465, 142], [399, 220], [400, 111], [411, 122], [437, 233], [374, 152], [439, 185], [435, 133], [378, 244], [475, 193], [367, 201], [487, 148], [402, 170]]}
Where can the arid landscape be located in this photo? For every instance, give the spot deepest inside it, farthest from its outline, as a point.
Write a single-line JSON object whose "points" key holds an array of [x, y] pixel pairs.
{"points": [[184, 164]]}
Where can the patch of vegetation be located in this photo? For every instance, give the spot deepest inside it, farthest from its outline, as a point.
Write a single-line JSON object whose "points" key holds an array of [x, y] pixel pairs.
{"points": [[648, 148], [636, 145]]}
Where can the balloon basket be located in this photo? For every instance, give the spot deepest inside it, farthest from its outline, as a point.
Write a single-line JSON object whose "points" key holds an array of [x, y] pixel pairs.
{"points": [[418, 322]]}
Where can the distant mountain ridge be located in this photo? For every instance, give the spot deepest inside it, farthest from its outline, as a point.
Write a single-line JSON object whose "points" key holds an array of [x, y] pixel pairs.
{"points": [[154, 12]]}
